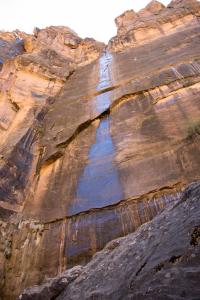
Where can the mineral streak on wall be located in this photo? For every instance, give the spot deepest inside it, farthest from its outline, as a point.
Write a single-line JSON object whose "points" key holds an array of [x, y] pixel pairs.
{"points": [[99, 183], [94, 141]]}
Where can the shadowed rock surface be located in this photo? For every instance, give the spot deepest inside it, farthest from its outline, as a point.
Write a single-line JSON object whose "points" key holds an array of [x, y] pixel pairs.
{"points": [[11, 44], [94, 141], [159, 261]]}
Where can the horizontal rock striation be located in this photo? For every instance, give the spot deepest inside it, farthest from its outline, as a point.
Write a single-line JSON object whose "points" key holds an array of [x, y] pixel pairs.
{"points": [[27, 82], [95, 141], [159, 261], [34, 69], [153, 22]]}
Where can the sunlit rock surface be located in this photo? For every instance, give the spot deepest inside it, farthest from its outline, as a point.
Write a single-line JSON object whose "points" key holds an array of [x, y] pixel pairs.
{"points": [[153, 22], [64, 41], [94, 141]]}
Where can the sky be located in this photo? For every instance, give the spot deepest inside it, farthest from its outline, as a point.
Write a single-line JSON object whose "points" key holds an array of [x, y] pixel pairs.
{"points": [[89, 18]]}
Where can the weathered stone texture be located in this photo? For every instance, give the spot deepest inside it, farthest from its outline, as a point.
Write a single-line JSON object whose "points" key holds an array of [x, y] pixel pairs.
{"points": [[154, 22], [94, 142], [159, 261]]}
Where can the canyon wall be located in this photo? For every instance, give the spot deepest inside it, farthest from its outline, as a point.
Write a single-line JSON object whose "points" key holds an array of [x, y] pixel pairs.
{"points": [[95, 140], [158, 261]]}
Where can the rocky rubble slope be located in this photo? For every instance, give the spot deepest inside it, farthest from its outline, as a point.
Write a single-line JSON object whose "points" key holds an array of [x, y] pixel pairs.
{"points": [[161, 260], [95, 141]]}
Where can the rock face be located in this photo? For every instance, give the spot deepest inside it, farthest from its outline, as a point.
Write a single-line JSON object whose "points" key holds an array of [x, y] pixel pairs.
{"points": [[11, 44], [94, 141], [27, 84], [159, 261], [153, 22], [64, 42]]}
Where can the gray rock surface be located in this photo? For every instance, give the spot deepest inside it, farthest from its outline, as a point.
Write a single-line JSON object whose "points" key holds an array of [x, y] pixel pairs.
{"points": [[161, 260], [53, 286]]}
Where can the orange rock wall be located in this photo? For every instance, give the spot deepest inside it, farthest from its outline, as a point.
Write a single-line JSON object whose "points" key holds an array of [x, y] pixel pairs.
{"points": [[94, 142]]}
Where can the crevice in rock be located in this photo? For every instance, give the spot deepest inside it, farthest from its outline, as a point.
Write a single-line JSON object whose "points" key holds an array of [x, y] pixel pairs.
{"points": [[59, 153], [108, 89], [195, 237], [54, 157], [132, 283], [175, 258], [14, 104], [127, 97], [15, 107], [159, 267], [155, 194], [140, 269]]}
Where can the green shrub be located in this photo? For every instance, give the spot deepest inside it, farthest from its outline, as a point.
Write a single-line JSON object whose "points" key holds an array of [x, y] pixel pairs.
{"points": [[193, 129], [40, 130]]}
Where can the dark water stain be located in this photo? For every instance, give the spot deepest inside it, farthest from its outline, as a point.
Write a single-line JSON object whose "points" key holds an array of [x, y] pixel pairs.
{"points": [[1, 64], [17, 48], [99, 184], [14, 173]]}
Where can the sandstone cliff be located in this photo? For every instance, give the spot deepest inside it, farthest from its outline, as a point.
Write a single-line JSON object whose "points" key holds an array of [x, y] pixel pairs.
{"points": [[158, 261], [95, 140], [154, 21]]}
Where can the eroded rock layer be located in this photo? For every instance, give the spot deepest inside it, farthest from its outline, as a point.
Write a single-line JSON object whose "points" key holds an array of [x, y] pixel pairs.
{"points": [[159, 261], [94, 141], [152, 22]]}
